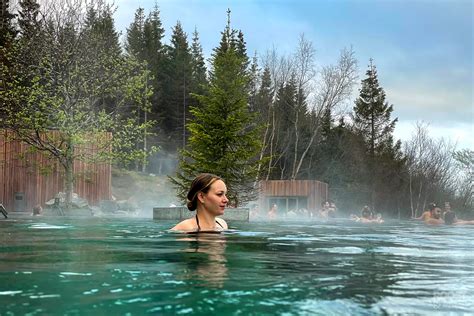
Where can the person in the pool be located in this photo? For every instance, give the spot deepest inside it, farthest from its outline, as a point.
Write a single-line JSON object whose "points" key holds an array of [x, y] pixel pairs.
{"points": [[435, 217], [426, 214], [207, 196], [323, 212], [450, 218], [367, 216], [273, 212]]}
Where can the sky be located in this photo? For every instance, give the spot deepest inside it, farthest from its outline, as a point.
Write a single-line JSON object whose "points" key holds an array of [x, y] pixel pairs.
{"points": [[423, 49]]}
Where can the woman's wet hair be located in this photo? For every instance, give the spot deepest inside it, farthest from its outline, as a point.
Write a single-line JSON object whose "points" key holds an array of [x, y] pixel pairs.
{"points": [[202, 183]]}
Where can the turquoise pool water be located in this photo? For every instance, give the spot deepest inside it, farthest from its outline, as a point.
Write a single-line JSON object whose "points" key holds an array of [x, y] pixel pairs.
{"points": [[51, 266]]}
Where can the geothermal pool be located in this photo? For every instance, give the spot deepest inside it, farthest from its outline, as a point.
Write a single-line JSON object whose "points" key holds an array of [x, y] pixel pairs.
{"points": [[98, 266]]}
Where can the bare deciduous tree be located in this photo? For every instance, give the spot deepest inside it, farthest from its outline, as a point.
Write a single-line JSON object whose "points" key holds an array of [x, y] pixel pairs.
{"points": [[431, 168], [335, 87]]}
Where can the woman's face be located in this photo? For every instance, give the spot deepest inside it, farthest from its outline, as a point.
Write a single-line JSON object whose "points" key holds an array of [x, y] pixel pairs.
{"points": [[215, 200]]}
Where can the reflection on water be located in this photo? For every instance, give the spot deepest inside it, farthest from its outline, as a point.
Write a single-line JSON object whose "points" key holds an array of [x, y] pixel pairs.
{"points": [[111, 266], [205, 258]]}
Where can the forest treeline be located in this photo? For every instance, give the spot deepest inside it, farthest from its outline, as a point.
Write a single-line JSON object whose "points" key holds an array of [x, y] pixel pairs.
{"points": [[245, 117]]}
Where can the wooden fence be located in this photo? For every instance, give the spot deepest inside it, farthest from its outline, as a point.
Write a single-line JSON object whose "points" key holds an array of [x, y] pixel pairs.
{"points": [[29, 178]]}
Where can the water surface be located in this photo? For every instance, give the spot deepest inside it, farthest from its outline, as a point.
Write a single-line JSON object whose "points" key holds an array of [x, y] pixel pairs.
{"points": [[56, 266]]}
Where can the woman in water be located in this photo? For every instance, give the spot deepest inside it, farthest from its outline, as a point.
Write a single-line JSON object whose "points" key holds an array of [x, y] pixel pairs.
{"points": [[450, 218], [426, 214], [207, 196], [435, 217]]}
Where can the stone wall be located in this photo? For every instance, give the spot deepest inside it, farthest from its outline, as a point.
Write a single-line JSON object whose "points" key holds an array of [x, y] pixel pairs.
{"points": [[180, 213]]}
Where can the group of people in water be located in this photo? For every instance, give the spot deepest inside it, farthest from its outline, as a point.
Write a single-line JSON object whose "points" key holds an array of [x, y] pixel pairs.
{"points": [[208, 197], [367, 216], [434, 215], [328, 210]]}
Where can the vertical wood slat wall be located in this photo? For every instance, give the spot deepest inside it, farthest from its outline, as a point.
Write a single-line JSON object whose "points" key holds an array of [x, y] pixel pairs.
{"points": [[315, 191], [21, 171]]}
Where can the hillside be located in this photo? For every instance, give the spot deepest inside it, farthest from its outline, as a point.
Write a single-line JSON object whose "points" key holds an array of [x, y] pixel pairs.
{"points": [[144, 191]]}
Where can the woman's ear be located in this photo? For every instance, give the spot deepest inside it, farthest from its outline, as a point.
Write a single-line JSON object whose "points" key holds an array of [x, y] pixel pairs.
{"points": [[200, 197]]}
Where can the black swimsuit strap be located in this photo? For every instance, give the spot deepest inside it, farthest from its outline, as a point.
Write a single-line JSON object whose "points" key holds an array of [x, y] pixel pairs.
{"points": [[199, 227], [197, 221]]}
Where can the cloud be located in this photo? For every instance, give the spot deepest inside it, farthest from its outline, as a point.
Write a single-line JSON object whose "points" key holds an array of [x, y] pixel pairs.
{"points": [[461, 134]]}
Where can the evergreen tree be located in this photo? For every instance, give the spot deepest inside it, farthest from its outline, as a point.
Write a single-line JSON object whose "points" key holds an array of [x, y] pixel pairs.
{"points": [[264, 98], [177, 87], [199, 78], [135, 41], [223, 136], [100, 39], [7, 52], [153, 33], [155, 55], [241, 46], [285, 106], [100, 33], [254, 73], [144, 42], [28, 18], [372, 120], [7, 29], [30, 30], [24, 54], [265, 114], [372, 114]]}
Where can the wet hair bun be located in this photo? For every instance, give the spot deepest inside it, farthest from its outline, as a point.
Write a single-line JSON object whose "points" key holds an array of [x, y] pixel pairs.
{"points": [[191, 205]]}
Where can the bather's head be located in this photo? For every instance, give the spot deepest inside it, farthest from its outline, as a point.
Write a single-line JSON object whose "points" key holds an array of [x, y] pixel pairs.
{"points": [[37, 210], [447, 206], [366, 212], [209, 191], [436, 213]]}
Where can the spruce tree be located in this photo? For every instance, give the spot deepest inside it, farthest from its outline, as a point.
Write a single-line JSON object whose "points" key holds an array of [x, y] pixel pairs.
{"points": [[7, 29], [372, 120], [153, 33], [177, 88], [7, 51], [100, 33], [254, 82], [372, 114], [223, 135], [135, 41], [199, 77], [264, 99]]}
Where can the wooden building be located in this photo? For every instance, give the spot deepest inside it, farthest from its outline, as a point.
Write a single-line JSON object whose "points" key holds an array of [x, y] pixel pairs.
{"points": [[29, 178], [292, 195]]}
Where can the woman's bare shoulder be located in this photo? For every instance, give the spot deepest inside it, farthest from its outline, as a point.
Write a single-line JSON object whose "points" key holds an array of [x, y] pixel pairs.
{"points": [[185, 225], [222, 222]]}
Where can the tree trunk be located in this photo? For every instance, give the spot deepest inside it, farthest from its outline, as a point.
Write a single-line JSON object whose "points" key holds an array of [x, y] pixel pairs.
{"points": [[69, 173], [295, 154], [272, 138], [410, 186]]}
